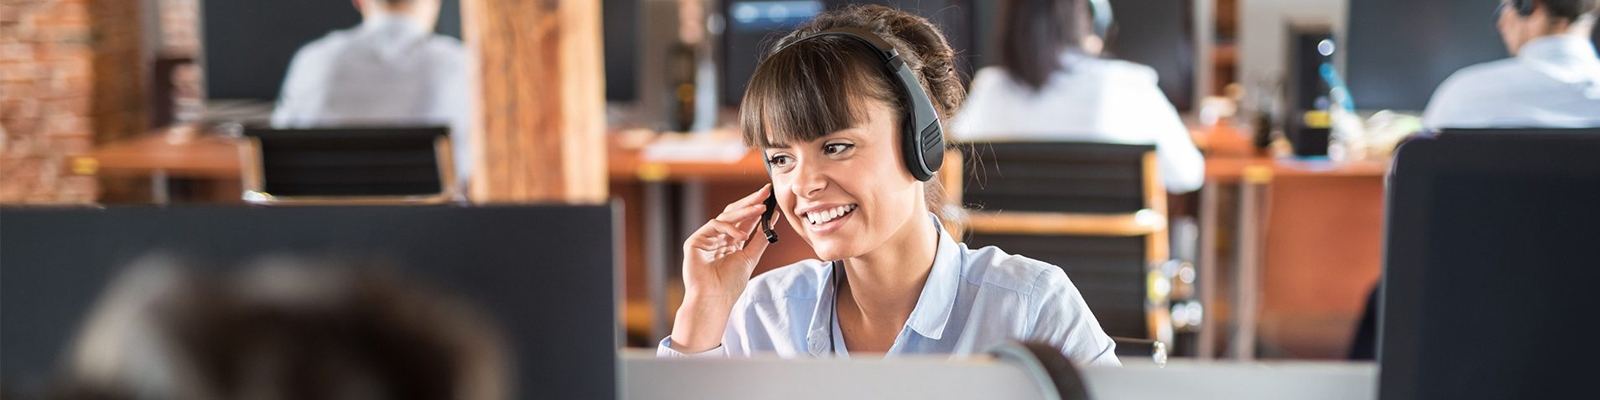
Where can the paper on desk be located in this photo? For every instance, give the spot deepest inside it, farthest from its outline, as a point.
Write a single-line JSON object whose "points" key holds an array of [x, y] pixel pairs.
{"points": [[695, 149]]}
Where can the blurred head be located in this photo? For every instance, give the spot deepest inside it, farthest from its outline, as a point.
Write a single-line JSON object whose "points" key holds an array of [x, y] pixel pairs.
{"points": [[284, 330], [828, 117], [1548, 17], [424, 13], [1034, 33]]}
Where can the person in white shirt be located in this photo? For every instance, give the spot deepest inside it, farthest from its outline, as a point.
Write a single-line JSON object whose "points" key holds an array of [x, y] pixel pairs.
{"points": [[829, 118], [392, 70], [1552, 80], [1051, 85]]}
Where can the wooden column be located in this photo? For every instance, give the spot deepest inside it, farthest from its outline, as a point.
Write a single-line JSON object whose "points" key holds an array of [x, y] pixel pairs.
{"points": [[539, 98]]}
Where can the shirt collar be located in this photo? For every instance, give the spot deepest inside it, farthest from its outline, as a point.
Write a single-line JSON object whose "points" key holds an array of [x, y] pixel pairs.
{"points": [[1558, 48], [390, 21], [928, 318]]}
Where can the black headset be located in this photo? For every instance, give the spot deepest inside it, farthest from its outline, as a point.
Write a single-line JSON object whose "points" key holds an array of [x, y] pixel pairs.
{"points": [[1524, 7], [922, 136]]}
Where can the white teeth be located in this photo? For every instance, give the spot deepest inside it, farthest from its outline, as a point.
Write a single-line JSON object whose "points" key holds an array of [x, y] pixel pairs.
{"points": [[818, 217]]}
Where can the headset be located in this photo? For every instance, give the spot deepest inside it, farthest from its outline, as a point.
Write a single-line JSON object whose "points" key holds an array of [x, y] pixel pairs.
{"points": [[1100, 10], [1523, 7], [922, 136]]}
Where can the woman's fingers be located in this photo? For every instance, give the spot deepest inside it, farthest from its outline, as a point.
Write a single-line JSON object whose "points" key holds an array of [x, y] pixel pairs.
{"points": [[728, 229], [752, 199]]}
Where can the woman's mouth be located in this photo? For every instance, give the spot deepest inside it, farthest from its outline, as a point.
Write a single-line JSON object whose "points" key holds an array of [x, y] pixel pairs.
{"points": [[828, 220]]}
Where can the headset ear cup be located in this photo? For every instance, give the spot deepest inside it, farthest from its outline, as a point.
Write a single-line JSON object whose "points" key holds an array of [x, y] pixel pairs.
{"points": [[1524, 7]]}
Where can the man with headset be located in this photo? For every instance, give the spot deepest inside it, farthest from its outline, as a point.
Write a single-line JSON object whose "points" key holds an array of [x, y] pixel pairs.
{"points": [[1552, 80]]}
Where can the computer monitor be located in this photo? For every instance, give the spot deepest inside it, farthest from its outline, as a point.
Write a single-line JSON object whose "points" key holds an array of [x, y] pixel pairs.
{"points": [[752, 27], [1398, 51], [545, 273], [1488, 265], [248, 44]]}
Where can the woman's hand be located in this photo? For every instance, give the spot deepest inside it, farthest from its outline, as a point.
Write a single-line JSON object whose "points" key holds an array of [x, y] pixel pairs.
{"points": [[717, 262]]}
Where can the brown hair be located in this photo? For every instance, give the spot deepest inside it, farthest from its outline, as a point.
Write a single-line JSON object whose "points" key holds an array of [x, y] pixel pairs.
{"points": [[813, 88], [1570, 10], [1034, 34]]}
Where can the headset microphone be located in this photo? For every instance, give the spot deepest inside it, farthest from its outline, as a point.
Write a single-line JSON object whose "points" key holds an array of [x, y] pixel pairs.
{"points": [[766, 216]]}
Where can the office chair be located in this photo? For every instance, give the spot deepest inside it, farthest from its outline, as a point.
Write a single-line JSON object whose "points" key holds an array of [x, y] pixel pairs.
{"points": [[1096, 210], [347, 166]]}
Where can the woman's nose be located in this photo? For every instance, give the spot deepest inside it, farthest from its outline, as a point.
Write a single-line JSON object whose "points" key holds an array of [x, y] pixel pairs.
{"points": [[809, 180]]}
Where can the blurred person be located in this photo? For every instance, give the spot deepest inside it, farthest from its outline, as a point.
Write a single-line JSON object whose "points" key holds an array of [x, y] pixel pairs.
{"points": [[829, 116], [391, 70], [282, 330], [1052, 85], [1551, 81]]}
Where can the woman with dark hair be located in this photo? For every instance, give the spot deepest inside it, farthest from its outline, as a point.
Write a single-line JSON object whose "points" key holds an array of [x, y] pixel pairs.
{"points": [[829, 109], [1052, 85]]}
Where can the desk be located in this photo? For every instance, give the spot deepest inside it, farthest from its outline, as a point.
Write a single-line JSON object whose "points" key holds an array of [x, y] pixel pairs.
{"points": [[1306, 246], [161, 157]]}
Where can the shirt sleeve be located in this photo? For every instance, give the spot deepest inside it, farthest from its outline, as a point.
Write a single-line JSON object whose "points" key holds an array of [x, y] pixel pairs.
{"points": [[665, 350], [732, 335], [1064, 320], [293, 109], [1182, 168]]}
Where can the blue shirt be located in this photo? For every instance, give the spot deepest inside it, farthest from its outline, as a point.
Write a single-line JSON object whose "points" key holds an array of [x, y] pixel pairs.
{"points": [[1553, 82], [973, 300]]}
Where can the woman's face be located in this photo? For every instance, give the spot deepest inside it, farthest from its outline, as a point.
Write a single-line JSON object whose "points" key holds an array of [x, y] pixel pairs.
{"points": [[848, 192]]}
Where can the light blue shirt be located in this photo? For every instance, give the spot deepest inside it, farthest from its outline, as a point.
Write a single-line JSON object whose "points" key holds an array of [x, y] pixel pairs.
{"points": [[973, 300], [1553, 82]]}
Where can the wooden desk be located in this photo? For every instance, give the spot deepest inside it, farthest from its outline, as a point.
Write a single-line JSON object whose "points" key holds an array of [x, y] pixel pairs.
{"points": [[1289, 249], [628, 165], [205, 156]]}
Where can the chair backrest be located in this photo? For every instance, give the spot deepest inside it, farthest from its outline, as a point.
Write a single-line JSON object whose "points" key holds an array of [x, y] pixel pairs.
{"points": [[1056, 177], [1096, 210], [348, 165], [1488, 239]]}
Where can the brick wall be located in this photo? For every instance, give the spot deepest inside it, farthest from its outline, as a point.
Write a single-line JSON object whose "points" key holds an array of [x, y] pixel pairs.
{"points": [[70, 77], [46, 55]]}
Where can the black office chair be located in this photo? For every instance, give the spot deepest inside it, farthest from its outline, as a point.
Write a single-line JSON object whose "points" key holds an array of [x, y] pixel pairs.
{"points": [[1096, 210], [405, 165]]}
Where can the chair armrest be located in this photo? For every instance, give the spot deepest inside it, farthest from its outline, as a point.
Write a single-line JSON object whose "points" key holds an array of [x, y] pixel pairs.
{"points": [[1154, 350]]}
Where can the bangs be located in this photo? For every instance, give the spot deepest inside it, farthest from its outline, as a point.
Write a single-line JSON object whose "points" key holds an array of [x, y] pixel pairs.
{"points": [[811, 89]]}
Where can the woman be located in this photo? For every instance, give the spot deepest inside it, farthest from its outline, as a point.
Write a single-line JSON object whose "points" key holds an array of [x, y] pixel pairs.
{"points": [[828, 116], [1051, 85]]}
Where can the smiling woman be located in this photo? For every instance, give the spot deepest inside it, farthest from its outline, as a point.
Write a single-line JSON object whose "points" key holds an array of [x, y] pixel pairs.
{"points": [[847, 112]]}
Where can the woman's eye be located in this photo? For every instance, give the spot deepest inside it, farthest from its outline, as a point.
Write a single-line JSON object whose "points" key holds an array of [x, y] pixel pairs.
{"points": [[837, 148], [778, 161]]}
